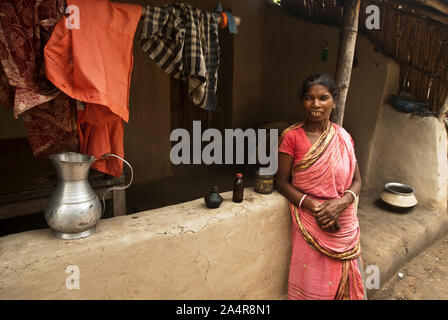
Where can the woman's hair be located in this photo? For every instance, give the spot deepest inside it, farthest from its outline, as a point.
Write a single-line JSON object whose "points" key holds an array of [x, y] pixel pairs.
{"points": [[323, 80]]}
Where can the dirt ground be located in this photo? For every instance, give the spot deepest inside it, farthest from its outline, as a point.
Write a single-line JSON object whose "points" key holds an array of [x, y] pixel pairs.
{"points": [[425, 277]]}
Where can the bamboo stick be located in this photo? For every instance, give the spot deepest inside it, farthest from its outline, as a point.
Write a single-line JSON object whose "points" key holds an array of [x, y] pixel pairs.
{"points": [[347, 43], [237, 18], [400, 34]]}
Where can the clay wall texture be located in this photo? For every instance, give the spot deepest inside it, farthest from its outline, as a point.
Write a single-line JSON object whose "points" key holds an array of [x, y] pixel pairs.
{"points": [[185, 251]]}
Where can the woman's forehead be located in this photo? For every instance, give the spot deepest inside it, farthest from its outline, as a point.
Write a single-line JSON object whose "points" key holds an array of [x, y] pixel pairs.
{"points": [[317, 89]]}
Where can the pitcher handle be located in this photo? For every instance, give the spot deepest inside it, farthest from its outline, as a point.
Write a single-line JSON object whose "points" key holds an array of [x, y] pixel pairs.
{"points": [[115, 187]]}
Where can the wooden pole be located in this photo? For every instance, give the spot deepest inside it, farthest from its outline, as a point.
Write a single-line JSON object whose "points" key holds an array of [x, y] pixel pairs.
{"points": [[347, 43], [444, 109]]}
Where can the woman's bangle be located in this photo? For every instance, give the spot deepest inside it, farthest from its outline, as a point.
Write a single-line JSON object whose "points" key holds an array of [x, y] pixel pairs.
{"points": [[302, 199], [352, 193]]}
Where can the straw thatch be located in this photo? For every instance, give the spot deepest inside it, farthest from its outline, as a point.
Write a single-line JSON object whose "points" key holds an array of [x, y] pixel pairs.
{"points": [[416, 36]]}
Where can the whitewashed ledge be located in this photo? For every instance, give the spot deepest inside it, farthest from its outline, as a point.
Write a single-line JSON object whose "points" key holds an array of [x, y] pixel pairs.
{"points": [[184, 251]]}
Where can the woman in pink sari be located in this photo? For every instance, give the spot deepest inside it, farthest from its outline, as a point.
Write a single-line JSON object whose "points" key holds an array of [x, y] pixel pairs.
{"points": [[319, 175]]}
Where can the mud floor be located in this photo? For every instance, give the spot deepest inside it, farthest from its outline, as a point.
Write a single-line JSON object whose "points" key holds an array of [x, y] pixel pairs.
{"points": [[425, 277]]}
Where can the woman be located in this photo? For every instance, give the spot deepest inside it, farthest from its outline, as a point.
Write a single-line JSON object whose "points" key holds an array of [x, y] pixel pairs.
{"points": [[319, 175]]}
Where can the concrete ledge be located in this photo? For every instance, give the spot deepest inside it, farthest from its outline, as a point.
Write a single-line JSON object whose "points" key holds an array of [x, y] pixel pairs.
{"points": [[186, 251]]}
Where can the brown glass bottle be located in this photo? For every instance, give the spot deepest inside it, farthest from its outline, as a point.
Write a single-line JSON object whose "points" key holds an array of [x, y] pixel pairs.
{"points": [[238, 188]]}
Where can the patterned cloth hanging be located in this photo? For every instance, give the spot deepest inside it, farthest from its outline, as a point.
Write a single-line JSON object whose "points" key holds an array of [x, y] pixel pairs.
{"points": [[183, 41], [6, 91], [25, 27]]}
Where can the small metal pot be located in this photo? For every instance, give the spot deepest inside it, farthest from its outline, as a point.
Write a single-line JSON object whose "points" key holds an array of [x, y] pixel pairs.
{"points": [[398, 195]]}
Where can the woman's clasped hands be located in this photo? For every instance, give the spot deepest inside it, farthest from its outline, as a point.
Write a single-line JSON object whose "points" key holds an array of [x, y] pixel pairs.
{"points": [[327, 212]]}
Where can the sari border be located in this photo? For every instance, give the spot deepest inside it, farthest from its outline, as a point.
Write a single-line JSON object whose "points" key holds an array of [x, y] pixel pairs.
{"points": [[317, 149], [343, 292], [347, 255]]}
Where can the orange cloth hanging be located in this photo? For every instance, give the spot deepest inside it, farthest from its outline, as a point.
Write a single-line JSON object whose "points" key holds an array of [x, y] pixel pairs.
{"points": [[100, 132], [94, 64]]}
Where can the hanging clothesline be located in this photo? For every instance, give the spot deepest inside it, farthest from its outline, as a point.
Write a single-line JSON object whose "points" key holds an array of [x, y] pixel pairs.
{"points": [[187, 49], [237, 19]]}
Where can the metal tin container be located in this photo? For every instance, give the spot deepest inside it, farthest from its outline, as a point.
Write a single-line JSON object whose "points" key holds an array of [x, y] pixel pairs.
{"points": [[264, 183]]}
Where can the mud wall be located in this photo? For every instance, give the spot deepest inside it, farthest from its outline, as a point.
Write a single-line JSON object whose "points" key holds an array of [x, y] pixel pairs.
{"points": [[410, 150], [185, 251]]}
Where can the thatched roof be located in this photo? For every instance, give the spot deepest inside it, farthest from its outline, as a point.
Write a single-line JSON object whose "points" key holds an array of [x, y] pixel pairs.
{"points": [[414, 33]]}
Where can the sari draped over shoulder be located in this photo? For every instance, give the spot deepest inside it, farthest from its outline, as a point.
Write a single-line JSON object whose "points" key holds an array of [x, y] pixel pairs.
{"points": [[323, 264]]}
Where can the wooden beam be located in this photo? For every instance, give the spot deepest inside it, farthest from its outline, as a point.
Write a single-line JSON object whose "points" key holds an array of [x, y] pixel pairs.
{"points": [[347, 43], [435, 4], [420, 11]]}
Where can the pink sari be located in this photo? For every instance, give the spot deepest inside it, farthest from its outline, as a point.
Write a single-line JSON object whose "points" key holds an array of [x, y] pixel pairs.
{"points": [[323, 264]]}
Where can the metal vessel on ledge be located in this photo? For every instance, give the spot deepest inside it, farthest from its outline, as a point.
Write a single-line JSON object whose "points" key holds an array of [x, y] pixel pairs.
{"points": [[74, 209], [398, 197]]}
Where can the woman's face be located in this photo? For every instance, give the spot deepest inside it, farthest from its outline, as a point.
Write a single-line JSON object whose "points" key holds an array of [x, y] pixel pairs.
{"points": [[318, 103]]}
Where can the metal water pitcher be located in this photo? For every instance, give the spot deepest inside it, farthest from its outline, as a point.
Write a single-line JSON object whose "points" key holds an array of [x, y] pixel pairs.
{"points": [[74, 209]]}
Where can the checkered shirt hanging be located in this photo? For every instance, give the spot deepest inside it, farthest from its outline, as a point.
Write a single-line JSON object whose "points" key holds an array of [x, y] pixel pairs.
{"points": [[183, 41]]}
